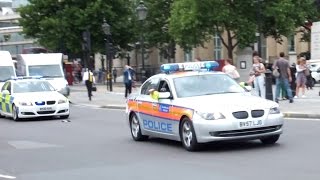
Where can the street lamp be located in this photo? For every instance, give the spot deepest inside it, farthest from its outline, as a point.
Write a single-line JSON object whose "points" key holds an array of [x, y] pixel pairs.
{"points": [[142, 14], [106, 29], [258, 34], [128, 58]]}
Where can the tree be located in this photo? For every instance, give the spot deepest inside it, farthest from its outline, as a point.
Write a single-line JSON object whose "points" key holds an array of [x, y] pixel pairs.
{"points": [[53, 22], [194, 22]]}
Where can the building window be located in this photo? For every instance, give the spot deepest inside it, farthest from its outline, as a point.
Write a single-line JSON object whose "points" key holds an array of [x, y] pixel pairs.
{"points": [[217, 51], [291, 43], [188, 56]]}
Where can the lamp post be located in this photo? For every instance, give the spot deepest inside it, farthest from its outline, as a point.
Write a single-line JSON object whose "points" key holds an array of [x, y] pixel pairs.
{"points": [[142, 14], [258, 34], [86, 47], [107, 32]]}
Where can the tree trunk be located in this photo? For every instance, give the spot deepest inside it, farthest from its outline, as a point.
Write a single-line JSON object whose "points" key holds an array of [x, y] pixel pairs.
{"points": [[230, 45]]}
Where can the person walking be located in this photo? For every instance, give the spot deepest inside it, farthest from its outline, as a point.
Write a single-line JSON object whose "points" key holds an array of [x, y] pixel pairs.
{"points": [[114, 74], [88, 80], [282, 65], [128, 75], [258, 70], [230, 69], [301, 79]]}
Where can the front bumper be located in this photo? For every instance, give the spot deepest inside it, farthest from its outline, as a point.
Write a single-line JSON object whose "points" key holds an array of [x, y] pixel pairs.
{"points": [[228, 129], [46, 110]]}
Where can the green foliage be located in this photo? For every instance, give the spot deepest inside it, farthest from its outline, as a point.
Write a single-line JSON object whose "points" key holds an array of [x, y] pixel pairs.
{"points": [[54, 21], [194, 22]]}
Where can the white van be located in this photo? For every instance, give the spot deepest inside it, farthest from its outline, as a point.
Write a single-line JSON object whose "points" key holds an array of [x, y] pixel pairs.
{"points": [[49, 66], [7, 69]]}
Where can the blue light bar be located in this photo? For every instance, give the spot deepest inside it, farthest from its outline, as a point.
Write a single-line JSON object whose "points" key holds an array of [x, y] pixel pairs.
{"points": [[189, 66]]}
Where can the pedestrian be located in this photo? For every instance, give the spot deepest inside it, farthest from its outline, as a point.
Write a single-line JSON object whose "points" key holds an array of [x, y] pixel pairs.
{"points": [[258, 71], [301, 78], [128, 75], [282, 65], [114, 74], [88, 80], [230, 69]]}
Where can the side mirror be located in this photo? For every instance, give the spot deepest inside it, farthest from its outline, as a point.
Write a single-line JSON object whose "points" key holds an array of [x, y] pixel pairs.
{"points": [[248, 88], [6, 92], [165, 95], [318, 71]]}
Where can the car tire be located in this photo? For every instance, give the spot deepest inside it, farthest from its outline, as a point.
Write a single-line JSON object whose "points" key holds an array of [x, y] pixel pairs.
{"points": [[64, 117], [135, 129], [188, 135], [15, 114], [270, 139]]}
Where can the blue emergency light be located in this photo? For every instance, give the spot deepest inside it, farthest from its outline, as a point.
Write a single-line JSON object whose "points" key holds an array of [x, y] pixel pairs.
{"points": [[189, 66]]}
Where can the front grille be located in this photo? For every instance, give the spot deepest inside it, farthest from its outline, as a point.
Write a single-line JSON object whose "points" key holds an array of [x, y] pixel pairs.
{"points": [[240, 114], [51, 102], [245, 132], [45, 112], [257, 113]]}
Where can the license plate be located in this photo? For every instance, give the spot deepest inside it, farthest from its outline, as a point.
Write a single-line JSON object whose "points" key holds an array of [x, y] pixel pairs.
{"points": [[46, 109], [253, 123]]}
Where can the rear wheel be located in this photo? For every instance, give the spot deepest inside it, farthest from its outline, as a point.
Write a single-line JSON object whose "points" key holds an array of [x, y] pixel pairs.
{"points": [[188, 135], [15, 113], [136, 129], [270, 139]]}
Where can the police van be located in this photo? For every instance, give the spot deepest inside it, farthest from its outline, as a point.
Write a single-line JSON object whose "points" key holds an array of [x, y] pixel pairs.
{"points": [[48, 65], [7, 69]]}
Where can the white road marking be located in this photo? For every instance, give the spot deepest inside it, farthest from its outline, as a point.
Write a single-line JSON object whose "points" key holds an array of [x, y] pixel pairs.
{"points": [[97, 107], [302, 119], [7, 176]]}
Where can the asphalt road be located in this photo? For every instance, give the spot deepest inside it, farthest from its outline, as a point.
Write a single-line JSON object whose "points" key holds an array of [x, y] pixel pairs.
{"points": [[97, 144]]}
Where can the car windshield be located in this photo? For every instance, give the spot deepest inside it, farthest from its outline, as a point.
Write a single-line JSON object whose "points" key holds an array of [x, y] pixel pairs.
{"points": [[32, 86], [206, 84], [6, 72], [45, 70]]}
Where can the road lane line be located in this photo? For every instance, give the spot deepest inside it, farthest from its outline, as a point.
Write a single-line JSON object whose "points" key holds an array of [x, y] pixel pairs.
{"points": [[302, 119], [7, 176]]}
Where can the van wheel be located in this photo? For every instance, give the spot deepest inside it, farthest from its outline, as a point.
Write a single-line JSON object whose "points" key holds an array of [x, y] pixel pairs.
{"points": [[15, 113]]}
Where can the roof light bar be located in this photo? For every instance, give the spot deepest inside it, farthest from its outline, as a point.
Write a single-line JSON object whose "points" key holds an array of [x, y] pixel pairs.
{"points": [[189, 66]]}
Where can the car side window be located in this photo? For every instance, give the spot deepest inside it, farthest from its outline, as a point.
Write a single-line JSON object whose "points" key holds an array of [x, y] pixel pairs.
{"points": [[151, 84], [164, 86]]}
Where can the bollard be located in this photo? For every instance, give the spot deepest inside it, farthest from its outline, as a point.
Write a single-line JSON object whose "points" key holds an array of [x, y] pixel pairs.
{"points": [[293, 84], [269, 92]]}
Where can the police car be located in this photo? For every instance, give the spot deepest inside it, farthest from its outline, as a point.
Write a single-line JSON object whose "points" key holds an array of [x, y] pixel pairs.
{"points": [[192, 103], [31, 97]]}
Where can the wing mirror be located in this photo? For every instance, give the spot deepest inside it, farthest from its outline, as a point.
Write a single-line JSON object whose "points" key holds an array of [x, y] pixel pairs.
{"points": [[165, 95], [248, 88], [6, 92], [318, 71]]}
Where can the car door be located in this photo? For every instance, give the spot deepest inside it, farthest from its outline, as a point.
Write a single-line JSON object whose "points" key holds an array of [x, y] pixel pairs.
{"points": [[6, 99], [146, 106], [168, 125]]}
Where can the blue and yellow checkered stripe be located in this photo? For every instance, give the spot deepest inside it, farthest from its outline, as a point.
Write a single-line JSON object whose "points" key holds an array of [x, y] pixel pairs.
{"points": [[6, 103]]}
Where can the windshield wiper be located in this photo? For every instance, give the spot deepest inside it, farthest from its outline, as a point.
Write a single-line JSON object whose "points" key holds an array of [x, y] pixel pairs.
{"points": [[50, 76]]}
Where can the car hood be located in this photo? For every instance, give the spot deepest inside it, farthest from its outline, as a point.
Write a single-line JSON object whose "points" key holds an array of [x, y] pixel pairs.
{"points": [[57, 83], [230, 102], [38, 96]]}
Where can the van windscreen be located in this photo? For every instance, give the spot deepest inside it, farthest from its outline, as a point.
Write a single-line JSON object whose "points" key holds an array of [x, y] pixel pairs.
{"points": [[6, 72], [45, 70]]}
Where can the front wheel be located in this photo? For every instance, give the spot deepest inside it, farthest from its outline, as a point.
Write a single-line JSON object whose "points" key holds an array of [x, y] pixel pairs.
{"points": [[270, 139], [188, 135], [64, 117], [136, 129], [15, 113]]}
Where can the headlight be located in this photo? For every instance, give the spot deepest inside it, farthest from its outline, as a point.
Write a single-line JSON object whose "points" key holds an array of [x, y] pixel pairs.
{"points": [[25, 103], [211, 116], [61, 101], [274, 110]]}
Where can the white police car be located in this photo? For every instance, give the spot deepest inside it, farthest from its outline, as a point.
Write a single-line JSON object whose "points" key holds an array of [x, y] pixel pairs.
{"points": [[193, 104], [29, 98]]}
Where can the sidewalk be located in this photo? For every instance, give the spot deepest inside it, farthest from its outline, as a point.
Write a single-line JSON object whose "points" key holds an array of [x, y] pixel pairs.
{"points": [[301, 108]]}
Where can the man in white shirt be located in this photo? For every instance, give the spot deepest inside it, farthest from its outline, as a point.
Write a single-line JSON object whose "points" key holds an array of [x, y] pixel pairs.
{"points": [[88, 79]]}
